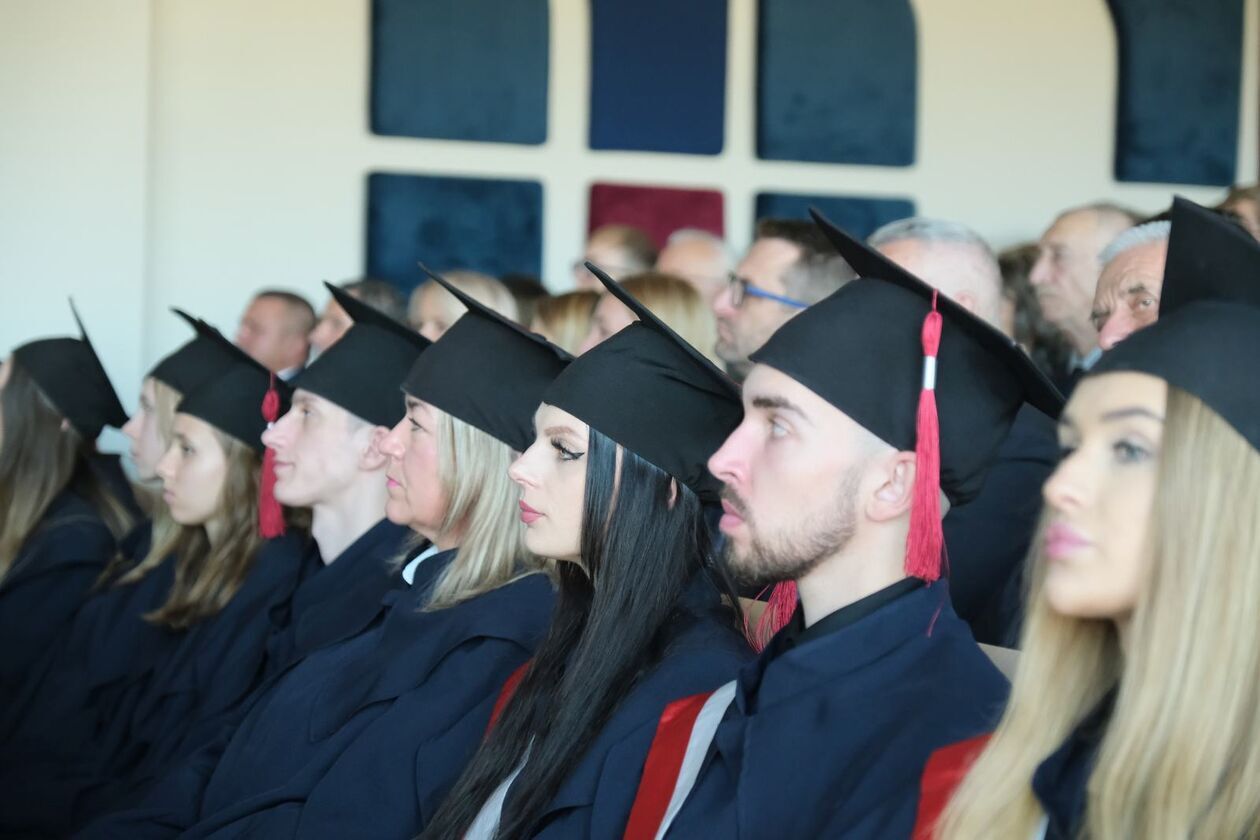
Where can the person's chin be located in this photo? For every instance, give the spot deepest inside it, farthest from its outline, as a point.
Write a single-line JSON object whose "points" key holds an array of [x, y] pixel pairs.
{"points": [[397, 512]]}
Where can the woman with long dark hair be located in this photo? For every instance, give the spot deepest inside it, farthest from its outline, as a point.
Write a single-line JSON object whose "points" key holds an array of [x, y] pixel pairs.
{"points": [[613, 487], [424, 673], [60, 519]]}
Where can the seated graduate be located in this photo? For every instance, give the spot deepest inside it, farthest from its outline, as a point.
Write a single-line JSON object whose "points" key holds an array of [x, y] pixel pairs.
{"points": [[60, 519], [1134, 709], [831, 482], [115, 637], [327, 459], [614, 487], [417, 684]]}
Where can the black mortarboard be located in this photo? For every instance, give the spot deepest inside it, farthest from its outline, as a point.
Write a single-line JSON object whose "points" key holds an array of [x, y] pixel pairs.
{"points": [[487, 371], [1210, 257], [1209, 319], [232, 400], [362, 371], [70, 373], [653, 393], [198, 360], [871, 350]]}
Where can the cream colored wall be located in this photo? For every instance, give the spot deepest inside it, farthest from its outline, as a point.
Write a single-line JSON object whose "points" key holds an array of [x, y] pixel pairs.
{"points": [[185, 152]]}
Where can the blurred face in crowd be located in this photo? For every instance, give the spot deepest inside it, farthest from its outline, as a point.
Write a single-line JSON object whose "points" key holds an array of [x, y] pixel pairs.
{"points": [[743, 329], [700, 262], [1066, 272], [611, 316], [1099, 499], [800, 479], [320, 450], [1127, 298], [417, 497], [332, 325], [145, 433], [552, 478], [433, 311], [270, 332], [193, 471], [1248, 212]]}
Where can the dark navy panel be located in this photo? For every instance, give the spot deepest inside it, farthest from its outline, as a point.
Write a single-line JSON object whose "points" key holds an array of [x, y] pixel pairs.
{"points": [[857, 215], [494, 226], [460, 69], [836, 81], [1180, 80], [658, 75]]}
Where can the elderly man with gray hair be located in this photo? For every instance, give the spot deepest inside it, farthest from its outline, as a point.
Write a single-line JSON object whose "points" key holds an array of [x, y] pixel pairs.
{"points": [[988, 538], [1127, 297], [699, 257]]}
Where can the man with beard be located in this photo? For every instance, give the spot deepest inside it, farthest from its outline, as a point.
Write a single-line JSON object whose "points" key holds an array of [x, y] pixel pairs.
{"points": [[836, 480]]}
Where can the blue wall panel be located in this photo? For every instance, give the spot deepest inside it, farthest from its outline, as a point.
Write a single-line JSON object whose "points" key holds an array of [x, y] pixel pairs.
{"points": [[460, 69], [1180, 78], [482, 224], [658, 75], [836, 81], [858, 216]]}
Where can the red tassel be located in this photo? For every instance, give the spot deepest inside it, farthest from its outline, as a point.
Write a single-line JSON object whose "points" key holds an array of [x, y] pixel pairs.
{"points": [[926, 540], [778, 612], [270, 514]]}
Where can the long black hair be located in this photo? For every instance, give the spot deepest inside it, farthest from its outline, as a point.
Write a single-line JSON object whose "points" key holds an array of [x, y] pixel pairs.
{"points": [[642, 543]]}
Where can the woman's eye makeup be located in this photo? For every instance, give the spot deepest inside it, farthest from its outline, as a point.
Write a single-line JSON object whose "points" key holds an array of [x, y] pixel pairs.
{"points": [[1129, 451], [566, 454]]}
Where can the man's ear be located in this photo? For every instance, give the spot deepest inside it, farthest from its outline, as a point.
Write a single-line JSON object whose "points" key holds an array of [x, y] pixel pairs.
{"points": [[370, 456], [894, 493]]}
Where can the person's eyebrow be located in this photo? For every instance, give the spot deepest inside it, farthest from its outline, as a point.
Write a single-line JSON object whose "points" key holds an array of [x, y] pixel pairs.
{"points": [[1137, 288], [411, 402], [1135, 411], [558, 430], [771, 403]]}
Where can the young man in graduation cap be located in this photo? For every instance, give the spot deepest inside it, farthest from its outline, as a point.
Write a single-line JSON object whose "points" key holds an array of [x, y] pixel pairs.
{"points": [[866, 416], [327, 460]]}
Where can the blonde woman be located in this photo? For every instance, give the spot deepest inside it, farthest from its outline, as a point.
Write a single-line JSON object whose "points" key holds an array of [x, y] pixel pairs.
{"points": [[564, 320], [670, 298], [432, 310], [341, 743], [1135, 710]]}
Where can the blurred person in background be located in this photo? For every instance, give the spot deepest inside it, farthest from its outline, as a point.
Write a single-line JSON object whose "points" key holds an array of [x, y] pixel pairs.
{"points": [[564, 320], [432, 310], [620, 250], [275, 330], [670, 298], [334, 322], [700, 258]]}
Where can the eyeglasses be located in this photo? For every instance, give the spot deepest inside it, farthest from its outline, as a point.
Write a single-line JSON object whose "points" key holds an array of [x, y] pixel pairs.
{"points": [[741, 289]]}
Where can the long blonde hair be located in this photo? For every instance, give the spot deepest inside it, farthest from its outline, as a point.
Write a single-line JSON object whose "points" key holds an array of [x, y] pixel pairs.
{"points": [[1179, 757], [678, 304], [206, 577], [564, 320], [472, 468]]}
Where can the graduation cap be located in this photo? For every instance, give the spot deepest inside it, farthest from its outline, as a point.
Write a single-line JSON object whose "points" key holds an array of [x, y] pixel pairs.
{"points": [[70, 373], [198, 360], [1209, 320], [654, 394], [1210, 257], [362, 372], [917, 370], [241, 401], [486, 370]]}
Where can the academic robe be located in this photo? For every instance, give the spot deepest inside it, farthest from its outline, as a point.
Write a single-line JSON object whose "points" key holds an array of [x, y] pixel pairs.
{"points": [[339, 600], [48, 582], [830, 728], [1060, 782], [703, 649], [987, 539], [107, 641], [254, 781]]}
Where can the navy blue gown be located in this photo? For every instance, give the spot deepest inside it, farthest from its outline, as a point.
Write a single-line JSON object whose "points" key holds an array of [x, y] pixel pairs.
{"points": [[1060, 782], [254, 780], [705, 650], [48, 582], [831, 726]]}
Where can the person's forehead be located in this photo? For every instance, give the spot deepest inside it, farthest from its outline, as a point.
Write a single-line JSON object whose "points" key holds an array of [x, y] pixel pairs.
{"points": [[1098, 395], [1142, 263]]}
